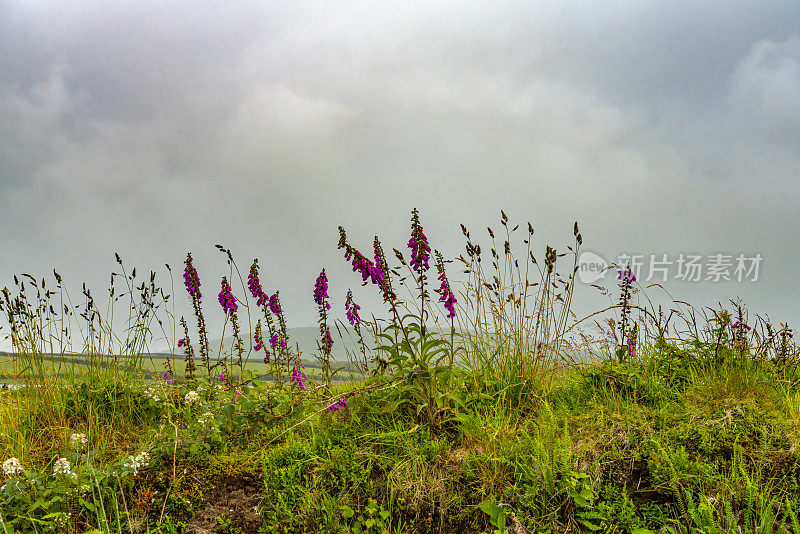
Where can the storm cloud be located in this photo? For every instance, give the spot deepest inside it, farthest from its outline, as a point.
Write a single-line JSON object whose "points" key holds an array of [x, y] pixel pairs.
{"points": [[153, 129]]}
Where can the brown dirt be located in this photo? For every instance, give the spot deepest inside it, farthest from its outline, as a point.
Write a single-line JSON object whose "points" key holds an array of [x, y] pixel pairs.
{"points": [[233, 497]]}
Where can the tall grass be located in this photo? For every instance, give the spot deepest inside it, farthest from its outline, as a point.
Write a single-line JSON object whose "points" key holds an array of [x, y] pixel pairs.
{"points": [[514, 317]]}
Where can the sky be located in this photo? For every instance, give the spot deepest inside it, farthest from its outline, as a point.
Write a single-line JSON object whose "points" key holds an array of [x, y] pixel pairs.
{"points": [[151, 129]]}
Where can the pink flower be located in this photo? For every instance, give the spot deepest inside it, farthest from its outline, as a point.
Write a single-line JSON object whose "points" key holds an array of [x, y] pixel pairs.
{"points": [[190, 278], [338, 405], [321, 290], [420, 250], [226, 298]]}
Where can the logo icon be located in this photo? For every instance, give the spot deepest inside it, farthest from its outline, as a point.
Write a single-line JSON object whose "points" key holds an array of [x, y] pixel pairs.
{"points": [[591, 267]]}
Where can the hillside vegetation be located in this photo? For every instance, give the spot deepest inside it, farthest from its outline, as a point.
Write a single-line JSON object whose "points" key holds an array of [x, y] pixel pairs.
{"points": [[466, 413]]}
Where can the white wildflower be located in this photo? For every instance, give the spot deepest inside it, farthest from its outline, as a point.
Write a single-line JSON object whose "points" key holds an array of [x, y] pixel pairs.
{"points": [[132, 463], [62, 467], [137, 462], [78, 440], [191, 397], [12, 467], [206, 419], [152, 393]]}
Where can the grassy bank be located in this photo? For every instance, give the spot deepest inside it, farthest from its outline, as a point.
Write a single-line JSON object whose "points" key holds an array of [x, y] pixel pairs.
{"points": [[674, 439], [692, 429]]}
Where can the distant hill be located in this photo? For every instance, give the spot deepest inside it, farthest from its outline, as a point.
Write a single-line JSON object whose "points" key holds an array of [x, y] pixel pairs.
{"points": [[306, 337]]}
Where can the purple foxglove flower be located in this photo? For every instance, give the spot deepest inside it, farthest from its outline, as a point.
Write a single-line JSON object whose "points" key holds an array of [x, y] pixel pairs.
{"points": [[373, 272], [327, 341], [274, 305], [260, 342], [298, 378], [382, 278], [321, 290], [338, 405], [254, 284], [446, 295], [627, 275], [420, 250], [190, 278], [226, 298], [632, 347], [352, 309]]}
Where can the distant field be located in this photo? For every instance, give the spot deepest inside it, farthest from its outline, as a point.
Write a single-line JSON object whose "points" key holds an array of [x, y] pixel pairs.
{"points": [[152, 365]]}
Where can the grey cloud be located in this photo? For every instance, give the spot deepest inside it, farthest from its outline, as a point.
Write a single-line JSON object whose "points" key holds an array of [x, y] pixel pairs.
{"points": [[767, 83], [152, 130]]}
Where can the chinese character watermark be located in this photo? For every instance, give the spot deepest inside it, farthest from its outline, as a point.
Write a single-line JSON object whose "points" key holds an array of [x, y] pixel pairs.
{"points": [[718, 267]]}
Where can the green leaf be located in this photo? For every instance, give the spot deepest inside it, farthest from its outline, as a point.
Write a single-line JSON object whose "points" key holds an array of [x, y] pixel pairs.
{"points": [[489, 507], [588, 524], [433, 343], [392, 406], [347, 512]]}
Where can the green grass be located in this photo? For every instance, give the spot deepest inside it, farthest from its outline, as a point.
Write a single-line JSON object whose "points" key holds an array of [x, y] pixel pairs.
{"points": [[610, 447]]}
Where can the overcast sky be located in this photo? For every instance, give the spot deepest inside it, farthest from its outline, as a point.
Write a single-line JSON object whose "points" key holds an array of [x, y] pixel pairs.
{"points": [[156, 128]]}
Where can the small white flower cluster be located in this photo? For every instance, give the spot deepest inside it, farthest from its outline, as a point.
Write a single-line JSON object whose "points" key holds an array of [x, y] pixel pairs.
{"points": [[153, 393], [12, 467], [78, 440], [137, 462], [206, 419], [62, 467], [192, 397]]}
